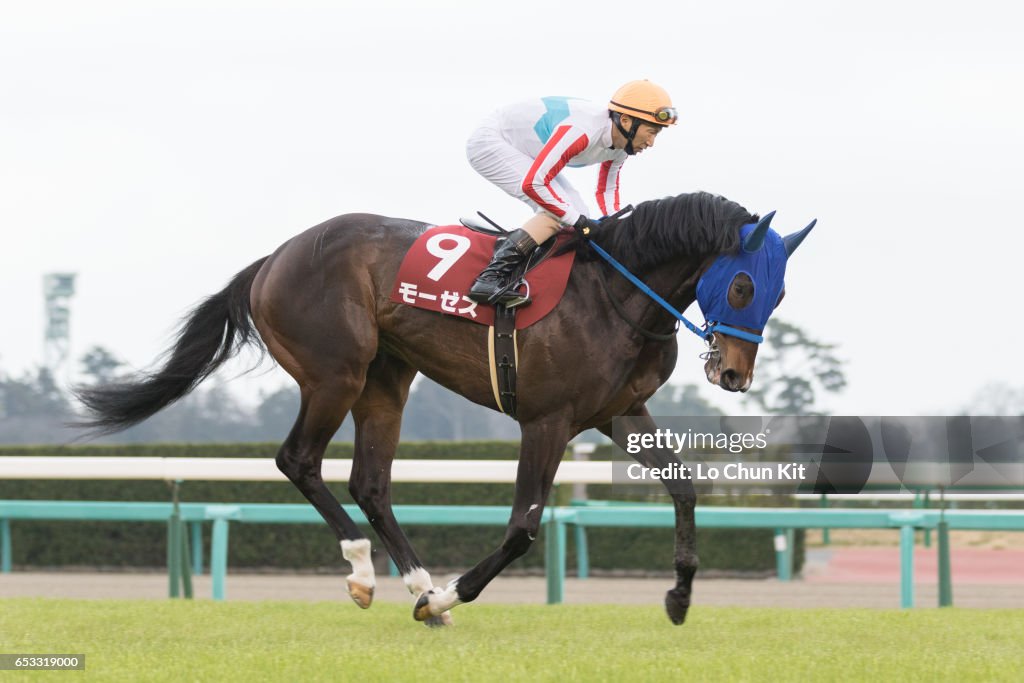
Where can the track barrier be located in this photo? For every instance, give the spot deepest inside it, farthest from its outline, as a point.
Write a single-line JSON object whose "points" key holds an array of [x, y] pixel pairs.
{"points": [[556, 521], [185, 552]]}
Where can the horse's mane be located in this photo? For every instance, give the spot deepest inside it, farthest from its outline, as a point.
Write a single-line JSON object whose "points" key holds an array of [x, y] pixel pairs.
{"points": [[697, 225]]}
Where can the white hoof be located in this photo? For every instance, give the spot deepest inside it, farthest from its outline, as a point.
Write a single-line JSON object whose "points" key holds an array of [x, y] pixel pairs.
{"points": [[436, 602], [362, 581]]}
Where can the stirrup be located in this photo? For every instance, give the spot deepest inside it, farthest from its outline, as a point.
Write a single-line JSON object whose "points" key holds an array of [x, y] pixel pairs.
{"points": [[517, 302], [512, 289]]}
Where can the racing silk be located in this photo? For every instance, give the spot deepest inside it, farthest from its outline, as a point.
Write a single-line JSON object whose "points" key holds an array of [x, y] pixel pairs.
{"points": [[557, 132]]}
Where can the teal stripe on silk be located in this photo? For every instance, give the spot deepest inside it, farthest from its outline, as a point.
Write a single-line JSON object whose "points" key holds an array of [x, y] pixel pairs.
{"points": [[556, 111]]}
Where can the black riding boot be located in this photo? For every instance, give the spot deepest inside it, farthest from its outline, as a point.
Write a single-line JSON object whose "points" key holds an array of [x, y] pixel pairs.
{"points": [[509, 252]]}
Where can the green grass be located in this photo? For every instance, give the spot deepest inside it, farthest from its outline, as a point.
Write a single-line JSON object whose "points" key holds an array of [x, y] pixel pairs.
{"points": [[205, 641]]}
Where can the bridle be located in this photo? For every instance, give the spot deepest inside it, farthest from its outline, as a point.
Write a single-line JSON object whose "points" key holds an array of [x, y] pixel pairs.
{"points": [[707, 332]]}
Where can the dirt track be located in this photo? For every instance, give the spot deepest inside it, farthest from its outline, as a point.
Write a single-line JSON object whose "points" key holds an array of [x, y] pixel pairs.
{"points": [[832, 577], [810, 592]]}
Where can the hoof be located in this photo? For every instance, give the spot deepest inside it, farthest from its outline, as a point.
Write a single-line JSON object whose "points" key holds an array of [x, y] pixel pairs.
{"points": [[676, 605], [421, 610], [435, 604], [360, 594], [440, 621]]}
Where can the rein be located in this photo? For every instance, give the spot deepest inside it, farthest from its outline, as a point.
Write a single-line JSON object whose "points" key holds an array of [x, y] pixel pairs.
{"points": [[653, 336], [706, 333]]}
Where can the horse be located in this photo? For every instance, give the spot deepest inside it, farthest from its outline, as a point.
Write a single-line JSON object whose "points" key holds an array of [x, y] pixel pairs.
{"points": [[320, 306]]}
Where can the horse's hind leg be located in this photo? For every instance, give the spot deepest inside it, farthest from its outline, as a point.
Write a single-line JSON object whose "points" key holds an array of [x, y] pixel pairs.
{"points": [[378, 420], [300, 457], [677, 600]]}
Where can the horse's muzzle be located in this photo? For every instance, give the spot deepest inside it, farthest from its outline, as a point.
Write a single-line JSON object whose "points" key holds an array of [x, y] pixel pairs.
{"points": [[730, 380]]}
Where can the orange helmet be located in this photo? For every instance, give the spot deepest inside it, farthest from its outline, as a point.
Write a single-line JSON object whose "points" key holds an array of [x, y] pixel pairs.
{"points": [[644, 100]]}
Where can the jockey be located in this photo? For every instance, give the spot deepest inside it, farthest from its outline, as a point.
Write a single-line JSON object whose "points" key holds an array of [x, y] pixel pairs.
{"points": [[523, 147]]}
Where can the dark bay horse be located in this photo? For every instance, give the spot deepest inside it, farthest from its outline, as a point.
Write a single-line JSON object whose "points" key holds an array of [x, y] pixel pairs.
{"points": [[320, 305]]}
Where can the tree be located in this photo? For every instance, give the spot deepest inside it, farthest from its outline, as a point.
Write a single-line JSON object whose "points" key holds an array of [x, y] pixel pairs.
{"points": [[675, 400], [997, 398], [276, 415], [794, 371], [32, 409], [32, 396], [100, 365]]}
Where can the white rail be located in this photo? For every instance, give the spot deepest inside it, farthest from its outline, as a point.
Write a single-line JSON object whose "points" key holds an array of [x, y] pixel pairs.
{"points": [[422, 471], [994, 497], [264, 469]]}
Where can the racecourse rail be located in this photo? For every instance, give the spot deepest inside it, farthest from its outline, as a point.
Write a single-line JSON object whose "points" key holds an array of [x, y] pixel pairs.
{"points": [[557, 519]]}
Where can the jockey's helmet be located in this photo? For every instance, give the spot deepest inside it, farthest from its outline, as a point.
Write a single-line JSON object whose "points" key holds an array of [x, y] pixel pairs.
{"points": [[644, 100]]}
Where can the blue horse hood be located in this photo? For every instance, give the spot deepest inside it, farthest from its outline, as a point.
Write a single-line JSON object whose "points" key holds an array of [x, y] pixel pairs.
{"points": [[766, 268]]}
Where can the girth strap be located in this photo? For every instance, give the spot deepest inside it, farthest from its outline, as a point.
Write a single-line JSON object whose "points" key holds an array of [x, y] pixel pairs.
{"points": [[502, 356]]}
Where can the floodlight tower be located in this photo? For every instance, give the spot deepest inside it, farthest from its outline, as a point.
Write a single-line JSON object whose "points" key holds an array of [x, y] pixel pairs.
{"points": [[58, 288]]}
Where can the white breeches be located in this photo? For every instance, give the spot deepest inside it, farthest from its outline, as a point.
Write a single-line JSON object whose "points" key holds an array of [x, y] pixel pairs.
{"points": [[505, 166]]}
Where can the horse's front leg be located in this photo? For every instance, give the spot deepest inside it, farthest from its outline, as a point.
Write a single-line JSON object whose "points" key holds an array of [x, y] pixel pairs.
{"points": [[541, 451], [677, 600]]}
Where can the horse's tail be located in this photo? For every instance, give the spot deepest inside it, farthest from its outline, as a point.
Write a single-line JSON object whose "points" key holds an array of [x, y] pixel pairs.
{"points": [[211, 334]]}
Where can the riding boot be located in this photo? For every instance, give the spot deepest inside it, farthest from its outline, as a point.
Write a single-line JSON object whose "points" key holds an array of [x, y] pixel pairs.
{"points": [[509, 253]]}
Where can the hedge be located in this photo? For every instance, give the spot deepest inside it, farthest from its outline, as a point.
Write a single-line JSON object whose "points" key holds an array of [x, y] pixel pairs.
{"points": [[313, 547]]}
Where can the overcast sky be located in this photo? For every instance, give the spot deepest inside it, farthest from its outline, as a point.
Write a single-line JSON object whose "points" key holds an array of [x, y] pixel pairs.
{"points": [[157, 148]]}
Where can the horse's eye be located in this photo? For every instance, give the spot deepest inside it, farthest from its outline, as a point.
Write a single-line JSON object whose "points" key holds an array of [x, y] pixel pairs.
{"points": [[741, 291]]}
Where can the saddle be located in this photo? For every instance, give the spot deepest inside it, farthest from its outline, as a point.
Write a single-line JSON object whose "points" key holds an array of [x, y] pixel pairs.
{"points": [[442, 264]]}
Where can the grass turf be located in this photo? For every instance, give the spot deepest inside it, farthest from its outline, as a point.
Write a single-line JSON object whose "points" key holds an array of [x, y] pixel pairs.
{"points": [[140, 640]]}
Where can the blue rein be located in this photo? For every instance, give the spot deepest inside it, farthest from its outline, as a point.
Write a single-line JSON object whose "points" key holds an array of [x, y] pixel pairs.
{"points": [[704, 333]]}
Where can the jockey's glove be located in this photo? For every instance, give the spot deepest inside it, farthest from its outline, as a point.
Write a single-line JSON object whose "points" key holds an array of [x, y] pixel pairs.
{"points": [[584, 225]]}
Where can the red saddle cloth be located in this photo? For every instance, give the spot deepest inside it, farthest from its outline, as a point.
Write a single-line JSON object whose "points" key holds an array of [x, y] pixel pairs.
{"points": [[442, 264]]}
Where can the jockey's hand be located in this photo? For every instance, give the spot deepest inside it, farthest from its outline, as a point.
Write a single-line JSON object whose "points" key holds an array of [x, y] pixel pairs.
{"points": [[584, 225]]}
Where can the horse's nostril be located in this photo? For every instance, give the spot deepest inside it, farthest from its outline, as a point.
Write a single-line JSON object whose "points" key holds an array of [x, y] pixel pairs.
{"points": [[730, 379]]}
